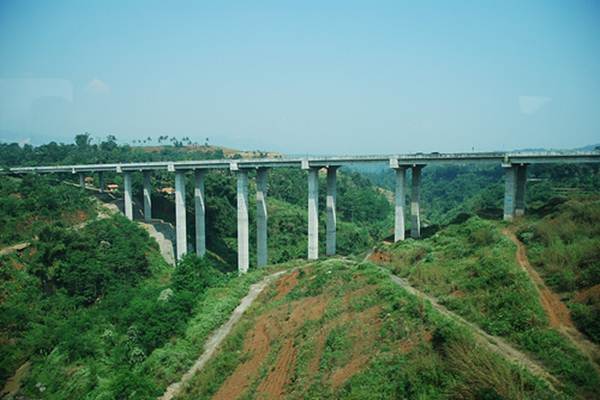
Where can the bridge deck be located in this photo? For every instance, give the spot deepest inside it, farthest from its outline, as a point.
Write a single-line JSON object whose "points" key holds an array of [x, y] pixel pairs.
{"points": [[392, 159]]}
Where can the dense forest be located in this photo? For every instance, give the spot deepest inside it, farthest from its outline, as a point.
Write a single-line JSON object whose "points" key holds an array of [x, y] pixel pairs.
{"points": [[90, 309]]}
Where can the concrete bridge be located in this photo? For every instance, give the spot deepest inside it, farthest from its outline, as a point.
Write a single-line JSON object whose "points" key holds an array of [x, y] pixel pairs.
{"points": [[515, 177]]}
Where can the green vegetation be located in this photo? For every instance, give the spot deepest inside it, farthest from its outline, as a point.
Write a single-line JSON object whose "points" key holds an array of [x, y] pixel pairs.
{"points": [[565, 247], [472, 270], [84, 151], [29, 204], [99, 314], [341, 330], [364, 214], [94, 311], [450, 190]]}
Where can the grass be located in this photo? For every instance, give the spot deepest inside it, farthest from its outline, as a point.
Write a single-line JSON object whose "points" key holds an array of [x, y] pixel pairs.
{"points": [[471, 268], [564, 246], [372, 340]]}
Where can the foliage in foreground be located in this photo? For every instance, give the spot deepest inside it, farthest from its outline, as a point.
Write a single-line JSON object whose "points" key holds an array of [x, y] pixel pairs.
{"points": [[565, 247], [353, 334], [472, 270]]}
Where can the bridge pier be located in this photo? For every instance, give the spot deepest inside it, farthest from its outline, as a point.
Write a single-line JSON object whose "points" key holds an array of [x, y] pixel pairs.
{"points": [[242, 221], [180, 227], [101, 181], [147, 196], [510, 190], [415, 228], [127, 197], [200, 212], [331, 216], [400, 201], [82, 180], [261, 217], [520, 190], [313, 213]]}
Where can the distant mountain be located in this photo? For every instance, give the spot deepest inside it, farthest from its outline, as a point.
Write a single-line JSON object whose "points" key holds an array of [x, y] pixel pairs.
{"points": [[589, 147]]}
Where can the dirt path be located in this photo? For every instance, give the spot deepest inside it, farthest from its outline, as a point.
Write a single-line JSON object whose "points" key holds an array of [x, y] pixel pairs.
{"points": [[13, 384], [15, 247], [494, 343], [557, 312], [219, 335]]}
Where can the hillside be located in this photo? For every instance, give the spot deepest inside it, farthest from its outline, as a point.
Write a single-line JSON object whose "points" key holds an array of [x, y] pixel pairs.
{"points": [[479, 309], [472, 269], [341, 329]]}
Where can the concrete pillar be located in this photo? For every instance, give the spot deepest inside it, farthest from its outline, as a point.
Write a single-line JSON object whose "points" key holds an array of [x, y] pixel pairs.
{"points": [[180, 227], [415, 228], [200, 212], [101, 181], [400, 201], [127, 198], [510, 189], [331, 218], [520, 190], [82, 180], [242, 221], [147, 196], [313, 213], [261, 217]]}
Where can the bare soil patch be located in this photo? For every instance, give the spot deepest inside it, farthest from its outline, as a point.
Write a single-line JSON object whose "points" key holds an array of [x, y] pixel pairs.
{"points": [[558, 314], [285, 285], [281, 323], [257, 343], [272, 387], [589, 295], [380, 256], [414, 340], [363, 334]]}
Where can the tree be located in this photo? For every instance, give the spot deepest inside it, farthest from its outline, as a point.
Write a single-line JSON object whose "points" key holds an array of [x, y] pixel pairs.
{"points": [[83, 140]]}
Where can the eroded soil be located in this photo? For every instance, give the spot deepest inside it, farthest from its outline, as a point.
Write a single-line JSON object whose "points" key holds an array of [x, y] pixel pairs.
{"points": [[558, 313]]}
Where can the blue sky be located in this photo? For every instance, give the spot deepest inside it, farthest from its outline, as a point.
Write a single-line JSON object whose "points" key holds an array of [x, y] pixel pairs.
{"points": [[304, 77]]}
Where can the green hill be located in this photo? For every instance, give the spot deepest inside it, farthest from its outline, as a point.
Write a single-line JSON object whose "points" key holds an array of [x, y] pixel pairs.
{"points": [[480, 309]]}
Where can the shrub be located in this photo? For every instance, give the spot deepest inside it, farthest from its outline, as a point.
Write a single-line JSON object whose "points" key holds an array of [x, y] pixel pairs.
{"points": [[587, 319]]}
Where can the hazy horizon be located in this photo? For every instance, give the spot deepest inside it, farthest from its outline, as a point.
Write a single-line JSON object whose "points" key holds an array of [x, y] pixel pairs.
{"points": [[340, 78]]}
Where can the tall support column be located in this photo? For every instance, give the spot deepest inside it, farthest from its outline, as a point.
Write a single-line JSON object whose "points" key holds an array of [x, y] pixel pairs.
{"points": [[127, 206], [180, 227], [520, 190], [415, 228], [101, 181], [82, 180], [400, 201], [200, 212], [242, 221], [331, 218], [147, 196], [261, 217], [313, 213], [510, 191]]}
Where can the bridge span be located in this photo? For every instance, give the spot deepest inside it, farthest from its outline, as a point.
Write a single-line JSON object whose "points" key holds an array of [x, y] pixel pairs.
{"points": [[515, 178]]}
